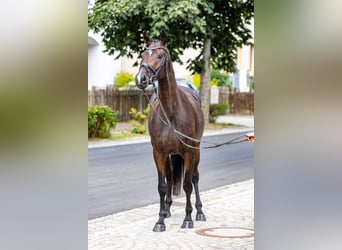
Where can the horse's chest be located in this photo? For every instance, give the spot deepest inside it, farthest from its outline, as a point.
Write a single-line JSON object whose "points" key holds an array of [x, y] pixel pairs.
{"points": [[165, 139]]}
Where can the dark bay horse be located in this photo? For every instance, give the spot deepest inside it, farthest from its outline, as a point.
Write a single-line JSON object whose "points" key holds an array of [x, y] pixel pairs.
{"points": [[176, 127]]}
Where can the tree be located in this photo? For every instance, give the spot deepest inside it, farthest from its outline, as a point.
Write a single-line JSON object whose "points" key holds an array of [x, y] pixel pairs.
{"points": [[216, 28]]}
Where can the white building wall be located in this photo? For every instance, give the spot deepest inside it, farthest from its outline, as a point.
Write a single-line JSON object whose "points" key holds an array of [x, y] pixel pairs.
{"points": [[180, 70], [102, 68], [243, 67]]}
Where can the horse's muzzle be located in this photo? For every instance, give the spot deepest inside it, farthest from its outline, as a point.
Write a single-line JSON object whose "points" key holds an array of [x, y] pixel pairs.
{"points": [[141, 80]]}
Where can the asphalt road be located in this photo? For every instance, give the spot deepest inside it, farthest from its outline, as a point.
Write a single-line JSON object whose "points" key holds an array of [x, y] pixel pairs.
{"points": [[125, 177]]}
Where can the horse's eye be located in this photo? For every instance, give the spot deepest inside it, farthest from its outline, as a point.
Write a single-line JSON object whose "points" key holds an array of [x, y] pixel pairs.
{"points": [[160, 56]]}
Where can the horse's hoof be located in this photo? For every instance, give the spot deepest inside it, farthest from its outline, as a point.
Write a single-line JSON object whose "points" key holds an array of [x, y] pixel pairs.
{"points": [[200, 217], [159, 228], [188, 224], [167, 214]]}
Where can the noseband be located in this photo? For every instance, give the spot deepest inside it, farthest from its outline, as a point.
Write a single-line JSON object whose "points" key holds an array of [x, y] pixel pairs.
{"points": [[150, 69]]}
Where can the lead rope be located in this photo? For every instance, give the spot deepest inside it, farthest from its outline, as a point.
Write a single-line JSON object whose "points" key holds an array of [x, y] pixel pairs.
{"points": [[233, 141]]}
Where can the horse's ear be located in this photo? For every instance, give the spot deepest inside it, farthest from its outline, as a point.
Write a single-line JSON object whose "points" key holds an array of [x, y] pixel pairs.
{"points": [[147, 38], [163, 37]]}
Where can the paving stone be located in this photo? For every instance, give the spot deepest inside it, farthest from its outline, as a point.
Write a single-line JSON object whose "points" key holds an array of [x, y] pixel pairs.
{"points": [[228, 206]]}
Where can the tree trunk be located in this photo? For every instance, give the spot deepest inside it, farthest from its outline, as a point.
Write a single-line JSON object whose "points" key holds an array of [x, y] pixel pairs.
{"points": [[205, 80]]}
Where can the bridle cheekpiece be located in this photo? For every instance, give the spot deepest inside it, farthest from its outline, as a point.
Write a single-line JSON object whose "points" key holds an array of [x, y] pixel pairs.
{"points": [[150, 69]]}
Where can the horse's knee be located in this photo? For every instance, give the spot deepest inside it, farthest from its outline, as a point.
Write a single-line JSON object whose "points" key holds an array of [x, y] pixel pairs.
{"points": [[162, 189]]}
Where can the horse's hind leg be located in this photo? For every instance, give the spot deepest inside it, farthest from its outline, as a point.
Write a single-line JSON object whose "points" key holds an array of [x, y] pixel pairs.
{"points": [[200, 215], [187, 185]]}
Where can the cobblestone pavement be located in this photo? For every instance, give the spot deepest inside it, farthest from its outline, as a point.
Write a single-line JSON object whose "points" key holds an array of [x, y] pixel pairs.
{"points": [[230, 224]]}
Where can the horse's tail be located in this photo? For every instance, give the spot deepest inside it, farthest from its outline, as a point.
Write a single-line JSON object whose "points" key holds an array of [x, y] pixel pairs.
{"points": [[177, 173]]}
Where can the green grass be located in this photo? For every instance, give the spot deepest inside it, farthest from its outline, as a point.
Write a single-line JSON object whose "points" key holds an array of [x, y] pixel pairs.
{"points": [[228, 125], [213, 126], [120, 135], [125, 135]]}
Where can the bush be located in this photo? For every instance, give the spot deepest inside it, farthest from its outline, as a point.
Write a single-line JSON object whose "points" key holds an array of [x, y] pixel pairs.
{"points": [[100, 120], [216, 110], [139, 129], [196, 79], [139, 120], [216, 79], [251, 86], [122, 79], [219, 78]]}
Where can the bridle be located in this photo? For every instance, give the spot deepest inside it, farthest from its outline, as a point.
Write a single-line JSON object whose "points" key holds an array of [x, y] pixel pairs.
{"points": [[154, 72]]}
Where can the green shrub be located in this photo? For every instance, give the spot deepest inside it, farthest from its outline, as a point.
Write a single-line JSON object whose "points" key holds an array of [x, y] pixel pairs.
{"points": [[216, 79], [138, 116], [251, 85], [100, 120], [139, 129], [216, 110], [122, 79], [139, 120], [221, 79], [196, 79]]}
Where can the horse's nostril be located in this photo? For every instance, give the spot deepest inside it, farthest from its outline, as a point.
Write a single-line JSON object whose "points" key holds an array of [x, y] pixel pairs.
{"points": [[143, 78]]}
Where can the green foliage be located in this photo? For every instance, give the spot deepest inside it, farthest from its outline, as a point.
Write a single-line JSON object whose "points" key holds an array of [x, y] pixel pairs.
{"points": [[121, 24], [196, 79], [100, 120], [122, 79], [139, 120], [147, 110], [216, 110], [251, 85], [221, 79], [139, 129], [216, 79], [138, 116]]}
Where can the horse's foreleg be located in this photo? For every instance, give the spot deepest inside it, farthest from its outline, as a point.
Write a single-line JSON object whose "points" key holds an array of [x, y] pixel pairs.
{"points": [[162, 188], [187, 185]]}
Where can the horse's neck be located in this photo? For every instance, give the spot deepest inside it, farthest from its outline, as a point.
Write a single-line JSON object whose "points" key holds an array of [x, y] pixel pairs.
{"points": [[168, 92]]}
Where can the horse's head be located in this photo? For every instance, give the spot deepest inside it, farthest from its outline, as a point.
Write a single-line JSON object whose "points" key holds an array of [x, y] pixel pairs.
{"points": [[153, 62]]}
